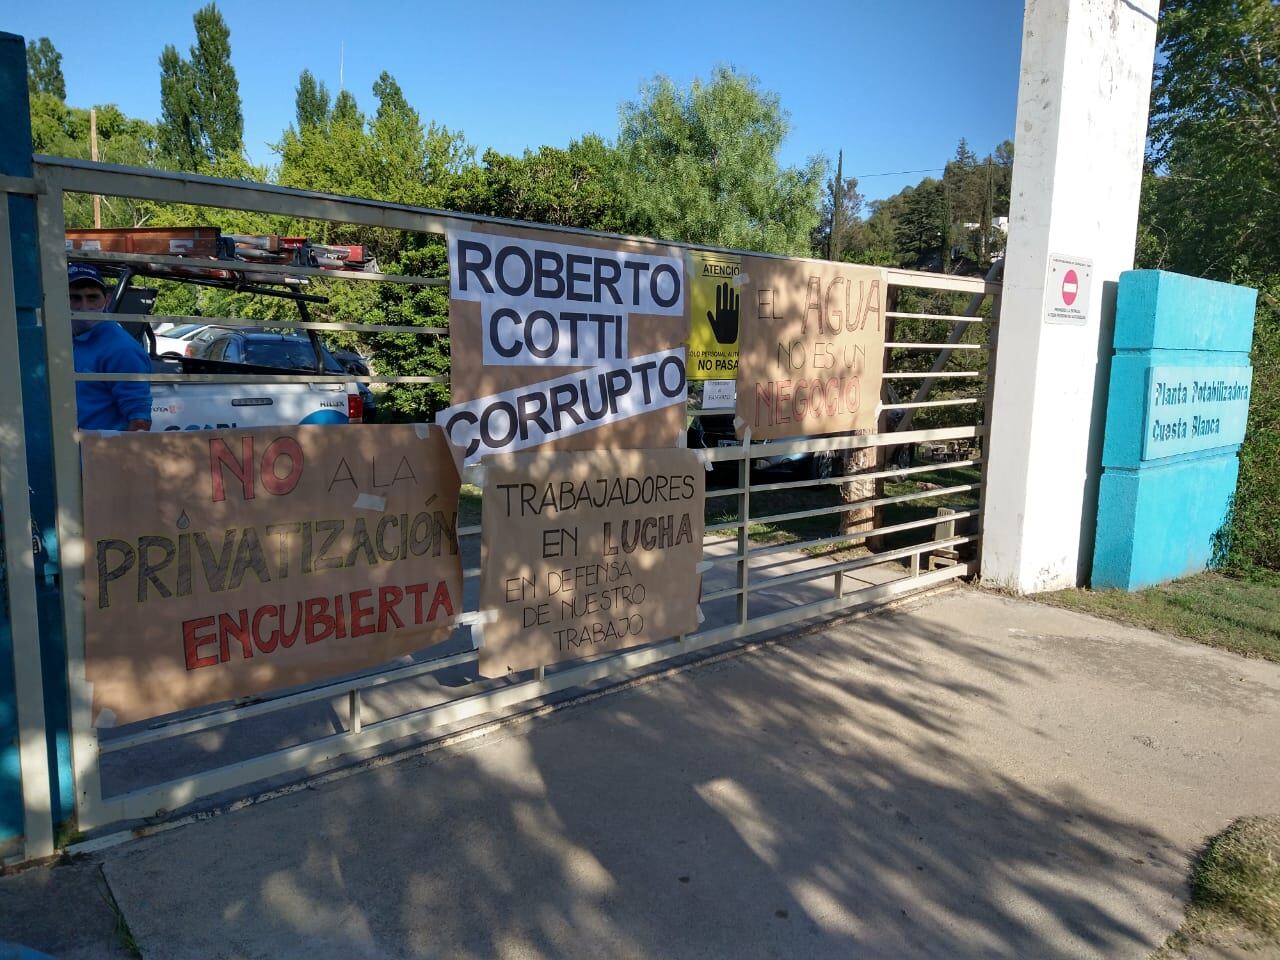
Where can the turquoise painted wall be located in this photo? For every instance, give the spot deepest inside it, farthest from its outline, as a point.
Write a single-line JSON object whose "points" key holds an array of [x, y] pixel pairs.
{"points": [[1157, 517]]}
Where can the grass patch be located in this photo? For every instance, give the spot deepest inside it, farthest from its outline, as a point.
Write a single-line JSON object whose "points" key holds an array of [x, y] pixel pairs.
{"points": [[124, 936], [774, 502], [469, 505], [1239, 874], [725, 509], [1236, 613], [1235, 894], [66, 834]]}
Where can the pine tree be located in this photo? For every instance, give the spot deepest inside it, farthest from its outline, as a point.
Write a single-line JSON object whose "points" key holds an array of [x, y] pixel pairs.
{"points": [[44, 69], [840, 229]]}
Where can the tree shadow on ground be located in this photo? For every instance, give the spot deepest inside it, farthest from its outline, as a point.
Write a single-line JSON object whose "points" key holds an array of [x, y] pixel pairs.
{"points": [[785, 802]]}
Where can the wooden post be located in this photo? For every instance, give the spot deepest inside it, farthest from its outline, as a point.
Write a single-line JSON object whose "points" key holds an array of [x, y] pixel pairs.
{"points": [[93, 155], [867, 460]]}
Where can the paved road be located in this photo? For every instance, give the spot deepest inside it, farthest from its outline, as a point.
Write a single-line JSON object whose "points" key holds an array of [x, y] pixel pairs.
{"points": [[969, 777]]}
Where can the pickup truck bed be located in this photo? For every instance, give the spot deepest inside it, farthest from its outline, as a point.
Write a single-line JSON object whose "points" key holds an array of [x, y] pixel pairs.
{"points": [[234, 405]]}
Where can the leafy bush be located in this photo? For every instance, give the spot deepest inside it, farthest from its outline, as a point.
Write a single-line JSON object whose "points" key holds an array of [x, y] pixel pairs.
{"points": [[1254, 537]]}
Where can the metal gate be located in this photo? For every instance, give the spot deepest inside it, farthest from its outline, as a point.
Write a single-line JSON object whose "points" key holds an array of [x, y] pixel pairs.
{"points": [[779, 550]]}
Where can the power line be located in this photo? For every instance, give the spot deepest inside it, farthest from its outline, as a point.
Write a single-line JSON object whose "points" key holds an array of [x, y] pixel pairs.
{"points": [[898, 173]]}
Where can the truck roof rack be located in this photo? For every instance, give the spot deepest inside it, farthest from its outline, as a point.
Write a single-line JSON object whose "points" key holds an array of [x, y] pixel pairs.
{"points": [[224, 258]]}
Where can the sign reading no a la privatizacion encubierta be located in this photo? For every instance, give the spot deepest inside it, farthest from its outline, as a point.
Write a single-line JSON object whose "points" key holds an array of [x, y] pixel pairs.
{"points": [[1194, 408]]}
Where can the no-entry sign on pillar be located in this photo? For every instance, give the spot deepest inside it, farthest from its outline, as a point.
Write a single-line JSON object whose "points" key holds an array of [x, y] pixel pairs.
{"points": [[1070, 286], [1067, 290]]}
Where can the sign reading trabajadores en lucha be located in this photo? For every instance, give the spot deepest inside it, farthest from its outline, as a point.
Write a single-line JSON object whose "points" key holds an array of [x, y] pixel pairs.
{"points": [[588, 552]]}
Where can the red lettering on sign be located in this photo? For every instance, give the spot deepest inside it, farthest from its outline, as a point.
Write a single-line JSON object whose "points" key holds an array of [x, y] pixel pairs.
{"points": [[416, 590], [192, 641], [242, 469], [238, 628], [320, 624], [220, 456], [268, 628], [359, 613], [281, 447], [441, 599], [388, 599], [273, 639]]}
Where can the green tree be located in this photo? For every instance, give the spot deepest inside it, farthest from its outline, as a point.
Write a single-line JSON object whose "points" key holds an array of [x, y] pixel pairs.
{"points": [[201, 119], [909, 228], [570, 187], [1211, 208], [407, 354], [63, 131], [839, 230], [44, 69], [918, 230], [392, 156], [346, 110], [700, 164], [878, 234], [311, 101]]}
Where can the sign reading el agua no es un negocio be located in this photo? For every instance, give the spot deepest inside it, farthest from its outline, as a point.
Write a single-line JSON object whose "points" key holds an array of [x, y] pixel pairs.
{"points": [[588, 552], [812, 350], [568, 341], [1194, 408], [227, 563]]}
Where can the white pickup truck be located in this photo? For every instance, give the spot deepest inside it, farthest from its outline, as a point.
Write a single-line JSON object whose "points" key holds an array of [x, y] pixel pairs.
{"points": [[240, 351], [232, 405]]}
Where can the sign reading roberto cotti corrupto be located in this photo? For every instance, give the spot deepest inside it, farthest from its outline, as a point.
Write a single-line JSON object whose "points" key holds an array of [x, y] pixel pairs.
{"points": [[564, 340]]}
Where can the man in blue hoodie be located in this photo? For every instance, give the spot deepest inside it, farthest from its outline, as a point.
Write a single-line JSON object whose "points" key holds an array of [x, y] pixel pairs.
{"points": [[102, 346]]}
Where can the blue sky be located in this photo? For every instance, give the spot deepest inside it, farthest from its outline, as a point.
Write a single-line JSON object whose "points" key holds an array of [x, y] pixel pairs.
{"points": [[893, 84]]}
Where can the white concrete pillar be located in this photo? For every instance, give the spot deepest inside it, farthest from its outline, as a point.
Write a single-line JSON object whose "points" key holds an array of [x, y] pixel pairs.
{"points": [[1082, 121]]}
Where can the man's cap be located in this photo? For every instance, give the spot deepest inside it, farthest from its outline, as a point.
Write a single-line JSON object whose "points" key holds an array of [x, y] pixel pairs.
{"points": [[84, 273]]}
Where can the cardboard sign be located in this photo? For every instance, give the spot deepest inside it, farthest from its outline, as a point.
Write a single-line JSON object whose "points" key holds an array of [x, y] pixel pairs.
{"points": [[587, 553], [715, 314], [812, 352], [227, 563], [565, 341]]}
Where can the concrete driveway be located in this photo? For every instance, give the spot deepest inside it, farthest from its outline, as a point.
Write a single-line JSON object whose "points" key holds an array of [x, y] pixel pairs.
{"points": [[971, 776]]}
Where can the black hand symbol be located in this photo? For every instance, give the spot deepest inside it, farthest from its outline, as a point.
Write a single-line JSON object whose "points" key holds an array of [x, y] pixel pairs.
{"points": [[724, 324]]}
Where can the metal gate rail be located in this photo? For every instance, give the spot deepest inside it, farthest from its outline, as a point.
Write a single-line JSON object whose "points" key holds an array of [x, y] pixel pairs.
{"points": [[751, 577]]}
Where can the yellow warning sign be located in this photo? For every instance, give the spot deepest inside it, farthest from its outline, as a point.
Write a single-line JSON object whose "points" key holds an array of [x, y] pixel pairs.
{"points": [[715, 303]]}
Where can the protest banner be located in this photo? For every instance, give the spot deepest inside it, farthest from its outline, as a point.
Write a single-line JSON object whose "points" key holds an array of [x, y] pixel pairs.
{"points": [[715, 299], [564, 341], [587, 552], [222, 564], [811, 357]]}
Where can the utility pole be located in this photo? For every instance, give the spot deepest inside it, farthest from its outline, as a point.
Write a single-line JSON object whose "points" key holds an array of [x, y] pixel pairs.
{"points": [[93, 155]]}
